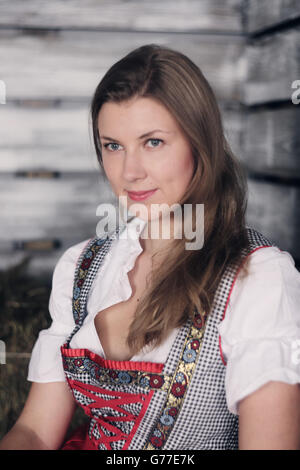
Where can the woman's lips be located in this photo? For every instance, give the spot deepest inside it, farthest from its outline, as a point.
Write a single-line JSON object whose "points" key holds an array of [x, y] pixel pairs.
{"points": [[140, 195]]}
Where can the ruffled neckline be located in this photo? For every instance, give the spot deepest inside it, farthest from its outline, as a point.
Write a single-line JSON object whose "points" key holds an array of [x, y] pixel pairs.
{"points": [[128, 248]]}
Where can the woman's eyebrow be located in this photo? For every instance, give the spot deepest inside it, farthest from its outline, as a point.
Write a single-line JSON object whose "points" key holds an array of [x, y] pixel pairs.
{"points": [[141, 136]]}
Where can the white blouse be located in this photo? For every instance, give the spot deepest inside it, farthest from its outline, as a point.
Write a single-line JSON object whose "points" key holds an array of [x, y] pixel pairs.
{"points": [[260, 334]]}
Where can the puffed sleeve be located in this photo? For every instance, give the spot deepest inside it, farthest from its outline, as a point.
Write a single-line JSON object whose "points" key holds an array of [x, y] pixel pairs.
{"points": [[260, 334], [45, 363]]}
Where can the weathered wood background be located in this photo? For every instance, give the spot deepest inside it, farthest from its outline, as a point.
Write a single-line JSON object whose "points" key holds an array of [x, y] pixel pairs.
{"points": [[52, 55], [271, 134]]}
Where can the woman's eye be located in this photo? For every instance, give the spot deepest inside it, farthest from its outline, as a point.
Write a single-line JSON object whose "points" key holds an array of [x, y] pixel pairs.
{"points": [[156, 141], [109, 148], [112, 146]]}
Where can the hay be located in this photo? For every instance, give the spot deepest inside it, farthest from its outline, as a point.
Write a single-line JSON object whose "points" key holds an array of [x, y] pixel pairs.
{"points": [[23, 313], [23, 307]]}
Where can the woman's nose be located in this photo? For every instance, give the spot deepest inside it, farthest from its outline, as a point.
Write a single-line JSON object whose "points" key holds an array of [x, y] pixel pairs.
{"points": [[133, 167]]}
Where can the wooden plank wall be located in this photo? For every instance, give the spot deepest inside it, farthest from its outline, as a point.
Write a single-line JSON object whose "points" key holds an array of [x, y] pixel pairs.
{"points": [[52, 56], [271, 149]]}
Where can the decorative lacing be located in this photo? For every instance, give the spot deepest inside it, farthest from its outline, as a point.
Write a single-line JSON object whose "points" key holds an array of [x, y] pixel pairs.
{"points": [[115, 403]]}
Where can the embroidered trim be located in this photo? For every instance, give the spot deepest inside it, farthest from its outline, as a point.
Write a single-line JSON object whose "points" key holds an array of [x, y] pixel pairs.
{"points": [[110, 364], [179, 385], [85, 363], [83, 273], [84, 262]]}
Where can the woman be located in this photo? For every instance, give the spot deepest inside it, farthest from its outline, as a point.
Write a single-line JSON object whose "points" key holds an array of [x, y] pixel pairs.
{"points": [[166, 347]]}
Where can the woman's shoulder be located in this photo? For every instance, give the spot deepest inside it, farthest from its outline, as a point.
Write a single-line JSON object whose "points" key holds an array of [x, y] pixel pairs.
{"points": [[264, 301], [270, 271], [262, 255], [261, 324], [60, 302], [269, 261], [64, 270], [73, 252], [70, 256]]}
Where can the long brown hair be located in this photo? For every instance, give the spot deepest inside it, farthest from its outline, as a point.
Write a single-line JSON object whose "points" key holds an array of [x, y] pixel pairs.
{"points": [[187, 279]]}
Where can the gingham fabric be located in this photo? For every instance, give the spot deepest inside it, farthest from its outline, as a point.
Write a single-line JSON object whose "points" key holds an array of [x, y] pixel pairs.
{"points": [[177, 405]]}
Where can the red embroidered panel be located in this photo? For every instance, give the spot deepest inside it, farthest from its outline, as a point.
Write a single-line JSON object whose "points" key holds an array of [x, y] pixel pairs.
{"points": [[113, 404]]}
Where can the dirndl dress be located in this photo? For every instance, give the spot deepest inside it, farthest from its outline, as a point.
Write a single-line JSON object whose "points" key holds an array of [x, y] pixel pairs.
{"points": [[136, 405]]}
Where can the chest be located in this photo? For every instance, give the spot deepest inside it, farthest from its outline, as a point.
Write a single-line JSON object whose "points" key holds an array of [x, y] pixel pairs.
{"points": [[112, 323]]}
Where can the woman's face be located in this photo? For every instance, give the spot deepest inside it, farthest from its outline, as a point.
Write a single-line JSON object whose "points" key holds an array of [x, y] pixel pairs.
{"points": [[143, 148]]}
